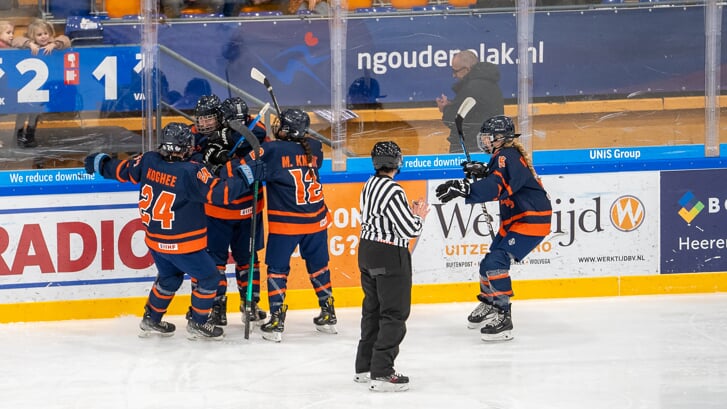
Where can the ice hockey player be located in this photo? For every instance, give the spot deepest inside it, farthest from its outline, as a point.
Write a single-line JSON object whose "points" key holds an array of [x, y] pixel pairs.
{"points": [[525, 213], [172, 193]]}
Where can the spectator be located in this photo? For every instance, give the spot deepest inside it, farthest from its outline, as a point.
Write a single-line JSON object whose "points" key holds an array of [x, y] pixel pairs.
{"points": [[195, 89], [474, 79], [42, 36], [365, 92], [315, 6], [7, 30]]}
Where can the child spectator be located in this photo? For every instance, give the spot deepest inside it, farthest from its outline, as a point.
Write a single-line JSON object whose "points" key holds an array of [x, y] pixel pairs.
{"points": [[6, 34], [42, 36]]}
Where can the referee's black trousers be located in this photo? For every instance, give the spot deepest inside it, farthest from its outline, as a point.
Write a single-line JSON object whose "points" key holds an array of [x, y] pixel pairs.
{"points": [[386, 282]]}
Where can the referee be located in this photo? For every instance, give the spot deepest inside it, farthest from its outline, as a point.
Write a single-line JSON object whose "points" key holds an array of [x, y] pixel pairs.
{"points": [[387, 224]]}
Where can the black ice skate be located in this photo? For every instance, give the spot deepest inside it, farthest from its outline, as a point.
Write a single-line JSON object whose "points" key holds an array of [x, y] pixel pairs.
{"points": [[257, 316], [273, 329], [208, 330], [219, 311], [326, 320], [500, 329], [482, 315], [149, 327], [395, 382]]}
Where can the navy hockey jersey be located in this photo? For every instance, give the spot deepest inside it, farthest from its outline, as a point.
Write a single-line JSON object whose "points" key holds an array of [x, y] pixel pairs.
{"points": [[239, 207], [524, 205], [294, 191], [172, 197]]}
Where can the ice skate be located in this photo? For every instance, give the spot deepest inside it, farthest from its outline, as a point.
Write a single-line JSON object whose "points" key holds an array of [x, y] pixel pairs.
{"points": [[500, 329], [257, 316], [395, 382], [208, 330], [326, 320], [273, 329], [482, 315], [362, 377], [150, 328], [219, 311]]}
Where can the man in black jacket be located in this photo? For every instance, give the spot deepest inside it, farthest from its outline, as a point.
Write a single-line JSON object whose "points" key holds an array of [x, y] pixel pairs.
{"points": [[474, 79]]}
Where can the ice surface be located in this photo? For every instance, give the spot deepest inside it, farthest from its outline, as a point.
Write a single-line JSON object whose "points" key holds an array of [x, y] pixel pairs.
{"points": [[652, 352]]}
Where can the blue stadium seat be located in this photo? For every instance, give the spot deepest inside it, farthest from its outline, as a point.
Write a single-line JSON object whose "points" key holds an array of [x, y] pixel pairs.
{"points": [[84, 30], [67, 8], [612, 1]]}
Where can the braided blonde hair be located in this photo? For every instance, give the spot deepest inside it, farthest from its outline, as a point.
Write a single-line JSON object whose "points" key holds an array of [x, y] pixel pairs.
{"points": [[520, 148]]}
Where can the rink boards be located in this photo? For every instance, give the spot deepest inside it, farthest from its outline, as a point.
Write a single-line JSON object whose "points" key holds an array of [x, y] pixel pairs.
{"points": [[77, 251]]}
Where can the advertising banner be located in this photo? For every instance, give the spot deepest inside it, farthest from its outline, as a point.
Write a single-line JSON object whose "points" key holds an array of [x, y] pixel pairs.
{"points": [[90, 245], [694, 221], [603, 225]]}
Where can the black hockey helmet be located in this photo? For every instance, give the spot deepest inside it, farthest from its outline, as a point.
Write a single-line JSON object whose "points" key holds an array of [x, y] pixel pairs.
{"points": [[176, 138], [386, 155], [208, 114], [234, 108], [293, 124], [497, 128]]}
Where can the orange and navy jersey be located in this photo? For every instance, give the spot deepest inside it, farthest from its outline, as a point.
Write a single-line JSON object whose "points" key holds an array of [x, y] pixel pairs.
{"points": [[524, 205], [238, 208], [241, 207], [294, 191], [172, 196]]}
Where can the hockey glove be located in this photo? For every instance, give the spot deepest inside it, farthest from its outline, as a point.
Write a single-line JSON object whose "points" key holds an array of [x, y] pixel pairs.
{"points": [[94, 162], [223, 138], [215, 154], [452, 189], [474, 170], [250, 172]]}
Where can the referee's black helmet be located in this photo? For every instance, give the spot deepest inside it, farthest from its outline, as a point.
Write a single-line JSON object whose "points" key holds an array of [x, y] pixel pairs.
{"points": [[387, 155]]}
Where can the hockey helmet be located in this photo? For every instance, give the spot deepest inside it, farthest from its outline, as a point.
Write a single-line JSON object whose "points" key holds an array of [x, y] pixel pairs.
{"points": [[208, 114], [177, 139], [497, 128], [293, 124], [386, 155], [234, 108]]}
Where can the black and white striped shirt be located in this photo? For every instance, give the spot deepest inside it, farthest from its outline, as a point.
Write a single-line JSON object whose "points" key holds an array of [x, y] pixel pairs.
{"points": [[385, 213]]}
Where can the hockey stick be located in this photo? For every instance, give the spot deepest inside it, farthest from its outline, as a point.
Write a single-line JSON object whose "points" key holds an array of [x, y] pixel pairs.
{"points": [[462, 112], [236, 126], [261, 78], [253, 141]]}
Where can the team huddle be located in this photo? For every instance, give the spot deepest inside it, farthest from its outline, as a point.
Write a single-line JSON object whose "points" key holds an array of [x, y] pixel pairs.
{"points": [[200, 200], [199, 197]]}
